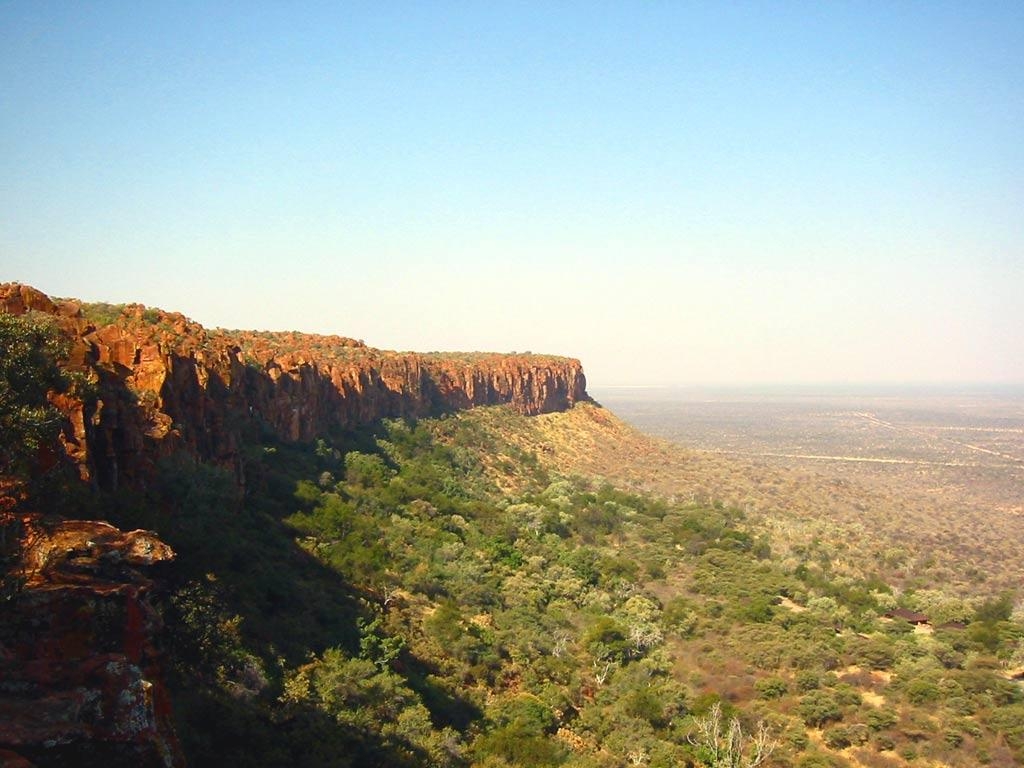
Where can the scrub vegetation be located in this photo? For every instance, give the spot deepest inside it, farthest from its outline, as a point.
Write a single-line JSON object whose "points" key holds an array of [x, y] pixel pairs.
{"points": [[469, 590], [435, 593]]}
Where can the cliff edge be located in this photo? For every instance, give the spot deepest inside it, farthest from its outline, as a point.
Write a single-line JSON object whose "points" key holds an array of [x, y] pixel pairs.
{"points": [[81, 667], [163, 383]]}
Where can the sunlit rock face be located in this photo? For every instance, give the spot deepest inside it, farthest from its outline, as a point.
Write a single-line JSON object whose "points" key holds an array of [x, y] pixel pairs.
{"points": [[162, 383]]}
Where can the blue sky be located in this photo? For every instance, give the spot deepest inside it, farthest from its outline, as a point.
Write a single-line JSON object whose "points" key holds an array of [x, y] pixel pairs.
{"points": [[673, 192]]}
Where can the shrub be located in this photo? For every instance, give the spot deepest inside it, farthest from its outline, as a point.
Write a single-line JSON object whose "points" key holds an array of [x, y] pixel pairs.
{"points": [[519, 748], [646, 704], [922, 691], [961, 705], [679, 617], [798, 739], [884, 742], [878, 654], [837, 738], [756, 609], [881, 718], [808, 681], [819, 707], [100, 313], [771, 688], [953, 738], [847, 695], [1009, 721], [840, 738], [816, 761], [527, 714]]}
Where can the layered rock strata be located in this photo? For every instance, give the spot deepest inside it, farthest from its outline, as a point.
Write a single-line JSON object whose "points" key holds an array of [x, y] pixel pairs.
{"points": [[163, 383]]}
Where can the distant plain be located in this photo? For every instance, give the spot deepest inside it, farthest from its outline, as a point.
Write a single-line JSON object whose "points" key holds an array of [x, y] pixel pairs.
{"points": [[929, 468], [969, 443]]}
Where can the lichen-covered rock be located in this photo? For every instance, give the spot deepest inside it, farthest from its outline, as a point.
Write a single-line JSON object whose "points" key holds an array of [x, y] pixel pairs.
{"points": [[80, 678], [68, 550]]}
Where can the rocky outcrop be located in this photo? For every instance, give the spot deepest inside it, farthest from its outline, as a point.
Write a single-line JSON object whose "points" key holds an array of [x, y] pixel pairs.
{"points": [[80, 679], [163, 383]]}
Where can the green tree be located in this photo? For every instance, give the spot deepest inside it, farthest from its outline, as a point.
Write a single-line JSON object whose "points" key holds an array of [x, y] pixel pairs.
{"points": [[819, 707], [365, 470], [995, 609], [29, 350], [606, 639], [771, 688]]}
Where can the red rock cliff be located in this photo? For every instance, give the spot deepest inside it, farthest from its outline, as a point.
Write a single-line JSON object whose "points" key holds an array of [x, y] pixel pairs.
{"points": [[80, 668], [165, 383]]}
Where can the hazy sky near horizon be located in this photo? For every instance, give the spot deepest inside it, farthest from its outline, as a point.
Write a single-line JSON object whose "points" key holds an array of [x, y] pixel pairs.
{"points": [[673, 192]]}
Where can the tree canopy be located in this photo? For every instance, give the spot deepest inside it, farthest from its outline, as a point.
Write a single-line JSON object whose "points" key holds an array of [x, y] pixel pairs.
{"points": [[30, 348]]}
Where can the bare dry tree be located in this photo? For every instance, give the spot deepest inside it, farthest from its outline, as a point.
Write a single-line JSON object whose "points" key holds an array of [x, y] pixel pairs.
{"points": [[719, 746], [561, 643], [601, 673], [638, 756]]}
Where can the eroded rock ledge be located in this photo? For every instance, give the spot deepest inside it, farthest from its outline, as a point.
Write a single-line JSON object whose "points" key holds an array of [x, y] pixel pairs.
{"points": [[165, 383]]}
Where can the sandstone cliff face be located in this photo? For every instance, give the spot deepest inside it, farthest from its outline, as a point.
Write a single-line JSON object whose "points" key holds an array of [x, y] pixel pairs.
{"points": [[164, 383], [80, 677]]}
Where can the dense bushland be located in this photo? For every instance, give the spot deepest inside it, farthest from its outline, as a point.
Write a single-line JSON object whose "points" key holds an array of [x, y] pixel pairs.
{"points": [[378, 599]]}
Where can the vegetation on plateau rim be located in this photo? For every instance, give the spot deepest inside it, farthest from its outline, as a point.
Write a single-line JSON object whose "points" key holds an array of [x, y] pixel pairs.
{"points": [[433, 593]]}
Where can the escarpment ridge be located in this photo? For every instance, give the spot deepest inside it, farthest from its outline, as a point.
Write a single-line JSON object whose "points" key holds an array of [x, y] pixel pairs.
{"points": [[82, 673], [163, 383]]}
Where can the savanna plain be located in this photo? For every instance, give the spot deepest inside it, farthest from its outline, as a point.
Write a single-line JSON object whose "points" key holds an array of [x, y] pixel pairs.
{"points": [[927, 481]]}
